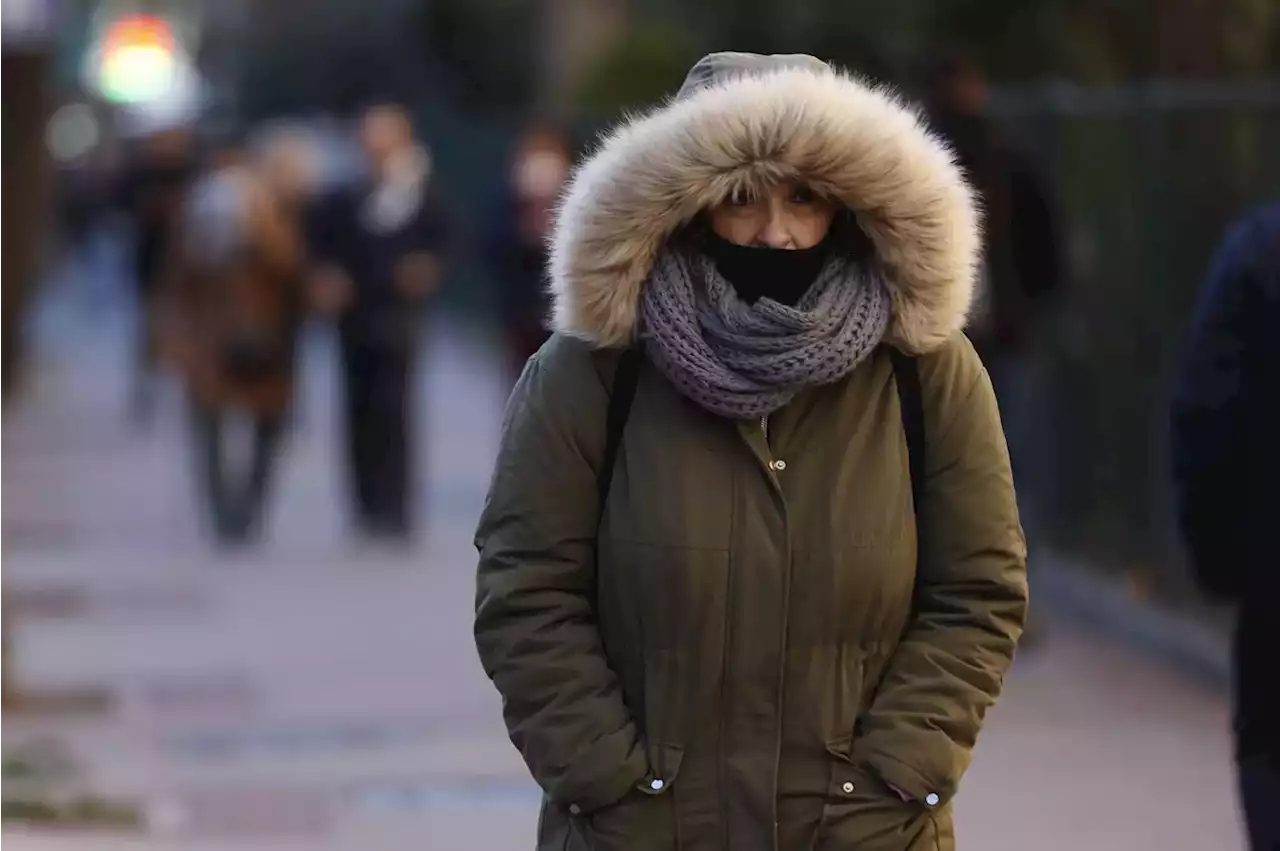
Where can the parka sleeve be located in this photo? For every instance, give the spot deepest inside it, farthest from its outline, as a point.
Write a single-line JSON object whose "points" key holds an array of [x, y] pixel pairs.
{"points": [[971, 590], [535, 625]]}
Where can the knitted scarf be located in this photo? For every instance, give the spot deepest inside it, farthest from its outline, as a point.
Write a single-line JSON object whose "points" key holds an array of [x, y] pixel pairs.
{"points": [[744, 361]]}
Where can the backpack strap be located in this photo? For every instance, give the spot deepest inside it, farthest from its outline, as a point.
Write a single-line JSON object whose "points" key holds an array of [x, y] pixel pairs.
{"points": [[906, 374], [625, 378]]}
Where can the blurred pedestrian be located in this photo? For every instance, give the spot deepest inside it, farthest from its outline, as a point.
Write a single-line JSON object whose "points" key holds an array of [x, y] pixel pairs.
{"points": [[751, 571], [518, 250], [1226, 465], [1023, 266], [234, 305], [379, 246], [154, 185], [1023, 263]]}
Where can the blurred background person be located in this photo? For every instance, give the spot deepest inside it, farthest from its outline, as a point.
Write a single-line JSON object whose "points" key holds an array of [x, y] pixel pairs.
{"points": [[83, 194], [1226, 463], [233, 307], [378, 248], [154, 183], [518, 249], [1022, 266]]}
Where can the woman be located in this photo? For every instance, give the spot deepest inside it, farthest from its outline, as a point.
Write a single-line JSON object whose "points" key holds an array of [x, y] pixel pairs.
{"points": [[769, 651], [233, 309]]}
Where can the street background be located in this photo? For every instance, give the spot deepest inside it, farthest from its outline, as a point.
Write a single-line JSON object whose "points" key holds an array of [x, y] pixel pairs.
{"points": [[319, 695], [321, 690]]}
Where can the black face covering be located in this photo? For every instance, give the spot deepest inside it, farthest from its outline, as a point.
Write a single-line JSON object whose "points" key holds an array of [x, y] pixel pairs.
{"points": [[781, 274]]}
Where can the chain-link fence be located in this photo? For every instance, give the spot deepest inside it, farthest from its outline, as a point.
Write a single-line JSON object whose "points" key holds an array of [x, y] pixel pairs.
{"points": [[1149, 177]]}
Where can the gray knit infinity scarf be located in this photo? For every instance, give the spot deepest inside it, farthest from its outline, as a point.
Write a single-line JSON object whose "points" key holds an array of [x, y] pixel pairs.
{"points": [[743, 361]]}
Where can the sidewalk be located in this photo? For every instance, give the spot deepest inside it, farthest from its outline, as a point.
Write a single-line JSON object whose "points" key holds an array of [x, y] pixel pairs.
{"points": [[320, 695]]}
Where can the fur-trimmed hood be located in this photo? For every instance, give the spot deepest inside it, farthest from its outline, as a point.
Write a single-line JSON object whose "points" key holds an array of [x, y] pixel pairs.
{"points": [[749, 122]]}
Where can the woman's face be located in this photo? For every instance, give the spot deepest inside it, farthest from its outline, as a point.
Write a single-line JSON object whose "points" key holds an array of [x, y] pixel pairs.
{"points": [[789, 216]]}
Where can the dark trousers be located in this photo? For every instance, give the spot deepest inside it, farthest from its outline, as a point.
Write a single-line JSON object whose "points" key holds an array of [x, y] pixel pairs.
{"points": [[378, 375], [234, 499], [142, 395], [1259, 778]]}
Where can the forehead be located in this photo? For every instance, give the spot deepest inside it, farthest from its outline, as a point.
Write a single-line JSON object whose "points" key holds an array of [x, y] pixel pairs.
{"points": [[755, 187]]}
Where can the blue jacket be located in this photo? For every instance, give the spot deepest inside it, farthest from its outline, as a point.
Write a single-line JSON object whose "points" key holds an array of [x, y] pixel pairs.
{"points": [[1226, 454]]}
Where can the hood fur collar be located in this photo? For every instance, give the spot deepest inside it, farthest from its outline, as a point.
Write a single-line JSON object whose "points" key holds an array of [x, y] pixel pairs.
{"points": [[859, 144]]}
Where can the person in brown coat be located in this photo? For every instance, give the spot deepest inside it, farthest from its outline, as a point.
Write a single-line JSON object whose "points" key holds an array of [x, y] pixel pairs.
{"points": [[233, 308], [751, 570]]}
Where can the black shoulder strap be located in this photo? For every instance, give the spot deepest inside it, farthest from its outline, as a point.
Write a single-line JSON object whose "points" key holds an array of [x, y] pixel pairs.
{"points": [[625, 378], [906, 373]]}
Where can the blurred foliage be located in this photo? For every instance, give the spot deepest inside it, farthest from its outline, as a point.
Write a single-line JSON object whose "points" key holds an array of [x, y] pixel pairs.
{"points": [[325, 54], [489, 49], [86, 812], [1107, 42], [41, 788], [1094, 42], [483, 55], [1090, 41], [647, 64]]}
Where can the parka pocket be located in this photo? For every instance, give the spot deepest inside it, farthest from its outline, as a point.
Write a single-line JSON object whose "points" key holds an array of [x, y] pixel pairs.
{"points": [[558, 830], [645, 819], [943, 828], [862, 812]]}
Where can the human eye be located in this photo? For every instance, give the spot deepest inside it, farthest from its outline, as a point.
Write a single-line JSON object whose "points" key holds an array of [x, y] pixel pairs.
{"points": [[804, 195], [741, 197]]}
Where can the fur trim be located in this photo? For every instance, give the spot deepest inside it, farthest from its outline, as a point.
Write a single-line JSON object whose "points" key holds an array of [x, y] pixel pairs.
{"points": [[860, 144]]}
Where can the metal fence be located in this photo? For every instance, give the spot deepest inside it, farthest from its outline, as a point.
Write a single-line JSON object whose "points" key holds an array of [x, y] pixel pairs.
{"points": [[1149, 177]]}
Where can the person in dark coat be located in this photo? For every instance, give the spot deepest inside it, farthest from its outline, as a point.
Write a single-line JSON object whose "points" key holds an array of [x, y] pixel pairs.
{"points": [[1226, 465], [518, 244], [1023, 259], [378, 246], [1023, 265], [152, 189]]}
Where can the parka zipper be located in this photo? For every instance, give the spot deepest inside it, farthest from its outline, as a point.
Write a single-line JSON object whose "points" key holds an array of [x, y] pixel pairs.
{"points": [[775, 465], [780, 697]]}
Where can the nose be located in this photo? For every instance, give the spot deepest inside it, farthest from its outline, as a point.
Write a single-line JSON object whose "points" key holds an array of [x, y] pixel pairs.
{"points": [[775, 233]]}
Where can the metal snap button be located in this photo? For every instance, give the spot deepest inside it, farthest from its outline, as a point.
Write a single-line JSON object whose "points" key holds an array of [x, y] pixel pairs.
{"points": [[574, 809], [848, 787], [656, 784], [932, 799]]}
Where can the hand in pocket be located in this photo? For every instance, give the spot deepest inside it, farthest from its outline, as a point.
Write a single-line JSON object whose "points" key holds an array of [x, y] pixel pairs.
{"points": [[864, 812]]}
